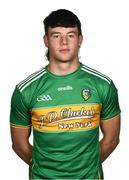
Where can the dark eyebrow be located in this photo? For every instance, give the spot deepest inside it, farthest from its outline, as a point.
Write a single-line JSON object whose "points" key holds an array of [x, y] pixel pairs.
{"points": [[54, 33], [74, 32]]}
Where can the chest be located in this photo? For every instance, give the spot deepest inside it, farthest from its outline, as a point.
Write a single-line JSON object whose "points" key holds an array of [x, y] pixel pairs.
{"points": [[66, 105]]}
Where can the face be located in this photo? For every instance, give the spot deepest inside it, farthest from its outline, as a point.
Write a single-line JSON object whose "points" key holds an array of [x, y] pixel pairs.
{"points": [[63, 43]]}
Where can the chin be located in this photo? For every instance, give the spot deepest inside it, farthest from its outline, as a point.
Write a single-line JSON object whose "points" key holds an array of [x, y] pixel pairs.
{"points": [[64, 60]]}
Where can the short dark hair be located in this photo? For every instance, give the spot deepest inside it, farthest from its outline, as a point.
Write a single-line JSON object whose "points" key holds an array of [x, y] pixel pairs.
{"points": [[61, 18]]}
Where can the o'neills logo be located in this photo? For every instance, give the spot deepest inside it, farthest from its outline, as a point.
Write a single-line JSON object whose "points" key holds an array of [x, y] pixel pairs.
{"points": [[66, 114], [66, 88]]}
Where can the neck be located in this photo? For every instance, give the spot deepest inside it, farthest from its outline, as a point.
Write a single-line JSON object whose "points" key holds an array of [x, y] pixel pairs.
{"points": [[63, 68]]}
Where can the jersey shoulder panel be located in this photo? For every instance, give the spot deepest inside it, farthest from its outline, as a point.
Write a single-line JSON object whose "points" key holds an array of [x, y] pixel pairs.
{"points": [[29, 87], [106, 90], [31, 80], [95, 75]]}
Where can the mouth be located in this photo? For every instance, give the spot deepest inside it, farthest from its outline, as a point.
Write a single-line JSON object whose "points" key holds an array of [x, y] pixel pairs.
{"points": [[64, 50]]}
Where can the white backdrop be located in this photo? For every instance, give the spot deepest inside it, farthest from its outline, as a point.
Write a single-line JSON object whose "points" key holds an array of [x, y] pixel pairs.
{"points": [[105, 26]]}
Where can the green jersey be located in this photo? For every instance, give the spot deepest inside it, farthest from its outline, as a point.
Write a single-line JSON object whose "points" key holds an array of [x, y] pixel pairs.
{"points": [[65, 113]]}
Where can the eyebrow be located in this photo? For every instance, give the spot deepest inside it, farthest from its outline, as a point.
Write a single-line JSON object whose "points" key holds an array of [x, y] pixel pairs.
{"points": [[74, 32]]}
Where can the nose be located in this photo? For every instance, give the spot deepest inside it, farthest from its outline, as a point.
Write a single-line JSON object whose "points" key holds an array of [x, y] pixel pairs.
{"points": [[64, 40]]}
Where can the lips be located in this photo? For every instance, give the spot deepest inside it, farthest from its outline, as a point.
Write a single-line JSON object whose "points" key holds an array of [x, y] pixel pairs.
{"points": [[64, 50]]}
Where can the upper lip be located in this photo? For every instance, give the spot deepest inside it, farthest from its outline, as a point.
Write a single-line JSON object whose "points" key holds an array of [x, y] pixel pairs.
{"points": [[64, 49]]}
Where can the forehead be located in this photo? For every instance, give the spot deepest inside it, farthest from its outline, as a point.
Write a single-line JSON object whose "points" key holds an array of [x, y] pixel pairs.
{"points": [[63, 30]]}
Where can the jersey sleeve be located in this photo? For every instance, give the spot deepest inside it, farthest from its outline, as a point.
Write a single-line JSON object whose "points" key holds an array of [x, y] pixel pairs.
{"points": [[20, 114], [110, 104]]}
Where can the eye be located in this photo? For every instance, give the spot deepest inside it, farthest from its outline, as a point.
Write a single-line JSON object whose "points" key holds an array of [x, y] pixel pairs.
{"points": [[71, 35], [56, 36]]}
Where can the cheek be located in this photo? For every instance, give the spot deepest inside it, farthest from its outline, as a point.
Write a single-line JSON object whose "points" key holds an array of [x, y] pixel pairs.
{"points": [[53, 48], [75, 46], [53, 44]]}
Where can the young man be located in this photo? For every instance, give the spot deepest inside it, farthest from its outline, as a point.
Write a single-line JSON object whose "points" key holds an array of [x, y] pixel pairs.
{"points": [[65, 102]]}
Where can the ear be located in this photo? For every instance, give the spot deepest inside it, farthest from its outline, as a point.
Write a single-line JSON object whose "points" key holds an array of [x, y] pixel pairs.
{"points": [[80, 40], [45, 39]]}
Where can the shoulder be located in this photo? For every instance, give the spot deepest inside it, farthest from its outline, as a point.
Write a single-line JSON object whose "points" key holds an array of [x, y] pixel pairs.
{"points": [[31, 81], [96, 76]]}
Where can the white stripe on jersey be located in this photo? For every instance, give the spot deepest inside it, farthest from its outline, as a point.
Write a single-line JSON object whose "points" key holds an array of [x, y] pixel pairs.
{"points": [[31, 80], [96, 73], [21, 84], [86, 67]]}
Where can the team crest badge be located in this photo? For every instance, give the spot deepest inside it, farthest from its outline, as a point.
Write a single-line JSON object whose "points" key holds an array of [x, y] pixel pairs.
{"points": [[85, 94]]}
